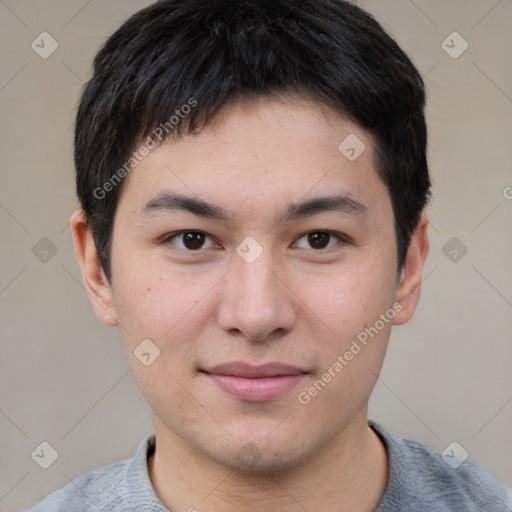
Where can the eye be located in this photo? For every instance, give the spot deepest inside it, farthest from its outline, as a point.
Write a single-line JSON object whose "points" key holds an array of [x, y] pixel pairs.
{"points": [[190, 240], [320, 239], [194, 241]]}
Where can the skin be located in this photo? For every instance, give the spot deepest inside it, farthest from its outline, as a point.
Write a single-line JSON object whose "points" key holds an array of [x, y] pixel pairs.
{"points": [[295, 304]]}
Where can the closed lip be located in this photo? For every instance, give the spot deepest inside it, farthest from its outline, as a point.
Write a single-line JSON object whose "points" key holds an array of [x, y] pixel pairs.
{"points": [[245, 370]]}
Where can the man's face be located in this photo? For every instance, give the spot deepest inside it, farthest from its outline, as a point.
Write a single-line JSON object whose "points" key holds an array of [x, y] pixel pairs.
{"points": [[257, 288]]}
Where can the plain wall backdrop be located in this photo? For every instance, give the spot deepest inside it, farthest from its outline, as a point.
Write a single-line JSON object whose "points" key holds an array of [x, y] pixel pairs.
{"points": [[64, 378]]}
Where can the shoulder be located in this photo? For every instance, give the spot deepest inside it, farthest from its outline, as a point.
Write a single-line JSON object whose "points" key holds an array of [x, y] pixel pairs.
{"points": [[95, 490], [117, 486], [423, 479]]}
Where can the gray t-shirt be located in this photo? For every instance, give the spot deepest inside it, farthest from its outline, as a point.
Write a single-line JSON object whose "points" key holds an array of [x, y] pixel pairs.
{"points": [[419, 481]]}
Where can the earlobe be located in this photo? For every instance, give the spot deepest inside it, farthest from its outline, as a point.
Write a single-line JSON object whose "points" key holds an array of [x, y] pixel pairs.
{"points": [[96, 284], [409, 287]]}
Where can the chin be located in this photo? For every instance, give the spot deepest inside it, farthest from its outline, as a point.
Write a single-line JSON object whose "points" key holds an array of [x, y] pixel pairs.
{"points": [[260, 455]]}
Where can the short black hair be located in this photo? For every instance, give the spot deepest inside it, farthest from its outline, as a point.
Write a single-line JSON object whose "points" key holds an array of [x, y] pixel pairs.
{"points": [[203, 54]]}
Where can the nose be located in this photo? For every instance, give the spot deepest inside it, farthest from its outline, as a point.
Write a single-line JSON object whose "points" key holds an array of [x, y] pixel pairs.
{"points": [[257, 300]]}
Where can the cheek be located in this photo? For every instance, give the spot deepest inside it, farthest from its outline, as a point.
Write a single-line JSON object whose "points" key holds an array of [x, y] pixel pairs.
{"points": [[353, 349], [349, 300], [350, 362], [153, 303], [167, 312]]}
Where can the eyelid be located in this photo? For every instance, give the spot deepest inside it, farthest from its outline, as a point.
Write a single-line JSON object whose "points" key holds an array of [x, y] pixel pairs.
{"points": [[322, 230], [342, 237], [166, 239]]}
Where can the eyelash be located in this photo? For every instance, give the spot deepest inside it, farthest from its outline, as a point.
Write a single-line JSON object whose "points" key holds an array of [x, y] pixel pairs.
{"points": [[343, 239]]}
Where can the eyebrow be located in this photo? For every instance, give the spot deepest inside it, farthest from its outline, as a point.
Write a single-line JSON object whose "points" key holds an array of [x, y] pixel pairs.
{"points": [[168, 202]]}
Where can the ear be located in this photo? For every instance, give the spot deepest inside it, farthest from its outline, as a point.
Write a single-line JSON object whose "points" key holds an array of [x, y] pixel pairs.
{"points": [[96, 284], [409, 287]]}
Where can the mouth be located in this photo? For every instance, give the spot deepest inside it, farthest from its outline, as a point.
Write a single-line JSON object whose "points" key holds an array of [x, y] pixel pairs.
{"points": [[255, 383]]}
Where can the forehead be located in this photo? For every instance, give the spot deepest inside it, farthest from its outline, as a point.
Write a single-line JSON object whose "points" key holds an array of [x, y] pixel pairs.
{"points": [[261, 154]]}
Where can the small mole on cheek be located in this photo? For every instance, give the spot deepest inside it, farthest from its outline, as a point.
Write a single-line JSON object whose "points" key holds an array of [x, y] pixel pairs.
{"points": [[148, 289]]}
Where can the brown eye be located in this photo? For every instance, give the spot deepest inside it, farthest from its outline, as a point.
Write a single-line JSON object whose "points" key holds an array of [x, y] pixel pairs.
{"points": [[190, 240], [193, 241], [319, 239]]}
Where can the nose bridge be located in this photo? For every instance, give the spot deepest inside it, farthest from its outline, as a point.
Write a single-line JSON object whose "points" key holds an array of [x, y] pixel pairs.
{"points": [[255, 300], [254, 277]]}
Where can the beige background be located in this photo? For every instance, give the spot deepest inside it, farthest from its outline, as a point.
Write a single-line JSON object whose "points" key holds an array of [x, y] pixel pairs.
{"points": [[64, 378]]}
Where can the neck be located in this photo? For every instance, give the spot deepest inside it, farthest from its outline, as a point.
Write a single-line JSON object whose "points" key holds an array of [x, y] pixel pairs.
{"points": [[349, 474]]}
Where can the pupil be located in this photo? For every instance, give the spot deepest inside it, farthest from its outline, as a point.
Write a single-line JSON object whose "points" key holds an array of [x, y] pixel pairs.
{"points": [[318, 240], [193, 240]]}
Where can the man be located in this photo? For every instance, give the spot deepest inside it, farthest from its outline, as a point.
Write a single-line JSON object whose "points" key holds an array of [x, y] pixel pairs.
{"points": [[253, 182]]}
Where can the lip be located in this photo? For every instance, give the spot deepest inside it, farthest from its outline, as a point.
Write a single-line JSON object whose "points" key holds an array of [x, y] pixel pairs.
{"points": [[255, 383], [240, 369]]}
